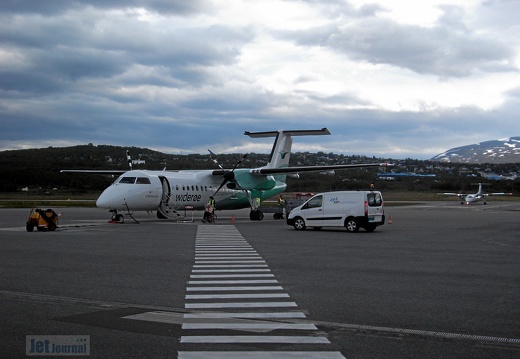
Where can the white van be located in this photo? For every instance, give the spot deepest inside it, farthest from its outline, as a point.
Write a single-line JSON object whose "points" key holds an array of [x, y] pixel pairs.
{"points": [[349, 209]]}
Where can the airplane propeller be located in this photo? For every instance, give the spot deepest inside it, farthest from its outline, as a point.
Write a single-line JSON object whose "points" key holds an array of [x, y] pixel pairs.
{"points": [[129, 159], [228, 175]]}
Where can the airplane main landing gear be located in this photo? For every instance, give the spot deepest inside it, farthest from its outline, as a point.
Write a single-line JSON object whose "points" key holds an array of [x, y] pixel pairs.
{"points": [[256, 215]]}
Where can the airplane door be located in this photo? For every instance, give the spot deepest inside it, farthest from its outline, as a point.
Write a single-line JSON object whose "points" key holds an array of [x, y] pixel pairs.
{"points": [[313, 212], [164, 208]]}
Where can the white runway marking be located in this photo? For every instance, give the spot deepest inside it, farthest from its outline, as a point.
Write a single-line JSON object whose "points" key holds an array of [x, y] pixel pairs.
{"points": [[240, 305], [245, 315], [231, 279], [236, 296], [243, 288], [279, 339], [249, 326], [261, 355], [238, 281], [229, 270], [207, 276]]}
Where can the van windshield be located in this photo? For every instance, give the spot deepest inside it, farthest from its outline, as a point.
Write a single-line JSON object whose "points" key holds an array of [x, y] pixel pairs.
{"points": [[374, 199]]}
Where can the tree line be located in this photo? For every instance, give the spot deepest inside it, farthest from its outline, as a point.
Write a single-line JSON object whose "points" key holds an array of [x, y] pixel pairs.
{"points": [[39, 169]]}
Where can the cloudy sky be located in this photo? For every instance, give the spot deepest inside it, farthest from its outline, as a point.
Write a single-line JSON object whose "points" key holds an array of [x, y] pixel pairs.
{"points": [[389, 78]]}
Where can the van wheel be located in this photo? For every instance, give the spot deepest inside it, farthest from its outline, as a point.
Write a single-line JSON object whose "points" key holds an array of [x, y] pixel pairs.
{"points": [[351, 225], [299, 223]]}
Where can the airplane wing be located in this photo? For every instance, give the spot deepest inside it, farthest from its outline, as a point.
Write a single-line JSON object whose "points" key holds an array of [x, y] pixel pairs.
{"points": [[460, 195], [498, 194], [298, 169]]}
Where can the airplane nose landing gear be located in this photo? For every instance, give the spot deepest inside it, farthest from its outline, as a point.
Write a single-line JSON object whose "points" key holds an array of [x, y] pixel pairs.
{"points": [[116, 217]]}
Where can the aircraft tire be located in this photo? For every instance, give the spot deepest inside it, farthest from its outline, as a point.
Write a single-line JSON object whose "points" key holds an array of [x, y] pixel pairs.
{"points": [[256, 215]]}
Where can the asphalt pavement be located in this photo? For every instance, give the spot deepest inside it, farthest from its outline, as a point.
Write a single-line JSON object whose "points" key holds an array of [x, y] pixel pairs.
{"points": [[440, 281]]}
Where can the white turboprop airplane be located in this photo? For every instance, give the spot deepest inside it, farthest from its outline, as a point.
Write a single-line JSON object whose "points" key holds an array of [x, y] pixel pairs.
{"points": [[476, 197], [171, 192]]}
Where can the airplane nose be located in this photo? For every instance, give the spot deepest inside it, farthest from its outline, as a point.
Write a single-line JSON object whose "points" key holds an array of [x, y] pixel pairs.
{"points": [[104, 200]]}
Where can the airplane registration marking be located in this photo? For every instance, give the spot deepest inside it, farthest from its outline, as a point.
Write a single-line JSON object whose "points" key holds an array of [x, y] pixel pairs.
{"points": [[230, 274]]}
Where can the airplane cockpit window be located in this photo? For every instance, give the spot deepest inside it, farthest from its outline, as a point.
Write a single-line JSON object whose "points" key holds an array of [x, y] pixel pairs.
{"points": [[130, 180], [143, 180]]}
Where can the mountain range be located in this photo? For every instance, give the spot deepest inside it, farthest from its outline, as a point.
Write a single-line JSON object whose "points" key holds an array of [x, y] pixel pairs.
{"points": [[496, 151]]}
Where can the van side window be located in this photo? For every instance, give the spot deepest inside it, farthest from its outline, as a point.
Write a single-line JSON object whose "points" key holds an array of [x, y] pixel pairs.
{"points": [[374, 199], [315, 202]]}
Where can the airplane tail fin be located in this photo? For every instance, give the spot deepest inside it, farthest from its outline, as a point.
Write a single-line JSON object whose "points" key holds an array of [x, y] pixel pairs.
{"points": [[480, 189], [281, 151]]}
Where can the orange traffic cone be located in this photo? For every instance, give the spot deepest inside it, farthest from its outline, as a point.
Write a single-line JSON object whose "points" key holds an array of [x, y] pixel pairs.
{"points": [[390, 220]]}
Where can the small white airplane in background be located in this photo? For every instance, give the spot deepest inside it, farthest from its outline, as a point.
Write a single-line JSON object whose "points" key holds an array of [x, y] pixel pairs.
{"points": [[476, 197], [171, 192]]}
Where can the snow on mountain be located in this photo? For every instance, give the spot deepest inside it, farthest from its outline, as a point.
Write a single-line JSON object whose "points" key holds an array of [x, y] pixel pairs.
{"points": [[505, 150]]}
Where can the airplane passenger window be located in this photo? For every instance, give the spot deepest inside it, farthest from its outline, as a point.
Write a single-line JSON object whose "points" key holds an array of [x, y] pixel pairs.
{"points": [[130, 180], [143, 180]]}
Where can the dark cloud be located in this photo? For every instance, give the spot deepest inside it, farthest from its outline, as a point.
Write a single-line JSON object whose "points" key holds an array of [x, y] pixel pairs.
{"points": [[80, 72], [178, 7], [444, 51]]}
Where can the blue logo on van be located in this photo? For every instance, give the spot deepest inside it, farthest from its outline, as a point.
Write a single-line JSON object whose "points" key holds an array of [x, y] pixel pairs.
{"points": [[334, 200]]}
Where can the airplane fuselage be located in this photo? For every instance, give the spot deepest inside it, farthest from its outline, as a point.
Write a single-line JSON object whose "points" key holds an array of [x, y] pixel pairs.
{"points": [[142, 190], [472, 198]]}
